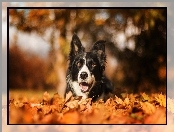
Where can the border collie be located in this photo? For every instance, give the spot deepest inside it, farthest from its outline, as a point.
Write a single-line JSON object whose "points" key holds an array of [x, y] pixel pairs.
{"points": [[85, 75]]}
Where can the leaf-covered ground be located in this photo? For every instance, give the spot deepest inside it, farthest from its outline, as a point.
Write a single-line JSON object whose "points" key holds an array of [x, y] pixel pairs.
{"points": [[51, 109]]}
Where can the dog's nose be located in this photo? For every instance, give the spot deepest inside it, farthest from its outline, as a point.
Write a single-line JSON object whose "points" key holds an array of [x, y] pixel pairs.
{"points": [[83, 75]]}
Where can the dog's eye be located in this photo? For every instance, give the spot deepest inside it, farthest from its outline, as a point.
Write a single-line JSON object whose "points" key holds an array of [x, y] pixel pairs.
{"points": [[93, 65], [79, 64]]}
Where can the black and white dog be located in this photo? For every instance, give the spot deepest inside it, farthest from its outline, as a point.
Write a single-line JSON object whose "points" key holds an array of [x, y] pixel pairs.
{"points": [[85, 76]]}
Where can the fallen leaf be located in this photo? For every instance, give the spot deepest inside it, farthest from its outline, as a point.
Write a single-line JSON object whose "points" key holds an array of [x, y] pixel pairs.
{"points": [[147, 107]]}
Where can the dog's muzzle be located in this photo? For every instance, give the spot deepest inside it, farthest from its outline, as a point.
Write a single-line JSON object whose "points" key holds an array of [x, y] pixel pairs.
{"points": [[85, 87], [85, 82]]}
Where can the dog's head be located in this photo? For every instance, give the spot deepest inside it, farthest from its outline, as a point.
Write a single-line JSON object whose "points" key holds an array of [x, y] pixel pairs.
{"points": [[86, 68]]}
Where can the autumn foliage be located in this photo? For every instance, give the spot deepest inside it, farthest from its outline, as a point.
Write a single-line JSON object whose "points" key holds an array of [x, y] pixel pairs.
{"points": [[133, 109]]}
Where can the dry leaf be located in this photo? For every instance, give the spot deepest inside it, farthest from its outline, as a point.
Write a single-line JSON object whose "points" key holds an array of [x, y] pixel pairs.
{"points": [[68, 96], [72, 104], [46, 98], [147, 107], [126, 101], [161, 99], [118, 100], [145, 97]]}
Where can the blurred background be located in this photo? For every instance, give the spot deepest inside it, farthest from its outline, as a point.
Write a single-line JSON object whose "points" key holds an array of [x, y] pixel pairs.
{"points": [[136, 48]]}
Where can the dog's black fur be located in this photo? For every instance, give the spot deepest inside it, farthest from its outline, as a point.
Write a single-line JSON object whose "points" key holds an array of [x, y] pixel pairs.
{"points": [[85, 75]]}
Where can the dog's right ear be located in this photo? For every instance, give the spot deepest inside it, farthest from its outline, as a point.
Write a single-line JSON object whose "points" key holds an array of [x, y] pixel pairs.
{"points": [[76, 46]]}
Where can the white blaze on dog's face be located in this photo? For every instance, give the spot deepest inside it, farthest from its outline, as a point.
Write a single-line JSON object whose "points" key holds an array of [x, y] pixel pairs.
{"points": [[85, 78]]}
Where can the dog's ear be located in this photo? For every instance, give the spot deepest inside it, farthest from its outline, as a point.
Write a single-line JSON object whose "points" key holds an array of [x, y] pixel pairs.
{"points": [[76, 46], [99, 49]]}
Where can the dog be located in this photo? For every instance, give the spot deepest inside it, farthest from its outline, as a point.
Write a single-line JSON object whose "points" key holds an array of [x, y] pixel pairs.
{"points": [[85, 74]]}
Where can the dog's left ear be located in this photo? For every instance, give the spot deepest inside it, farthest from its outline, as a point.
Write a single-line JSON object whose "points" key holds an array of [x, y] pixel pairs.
{"points": [[99, 49]]}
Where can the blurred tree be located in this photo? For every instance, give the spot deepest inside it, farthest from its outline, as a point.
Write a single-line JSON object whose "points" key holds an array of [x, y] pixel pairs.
{"points": [[142, 58], [147, 71], [23, 70]]}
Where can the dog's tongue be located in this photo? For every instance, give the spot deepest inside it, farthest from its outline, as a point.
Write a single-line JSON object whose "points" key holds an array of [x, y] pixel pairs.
{"points": [[84, 86]]}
